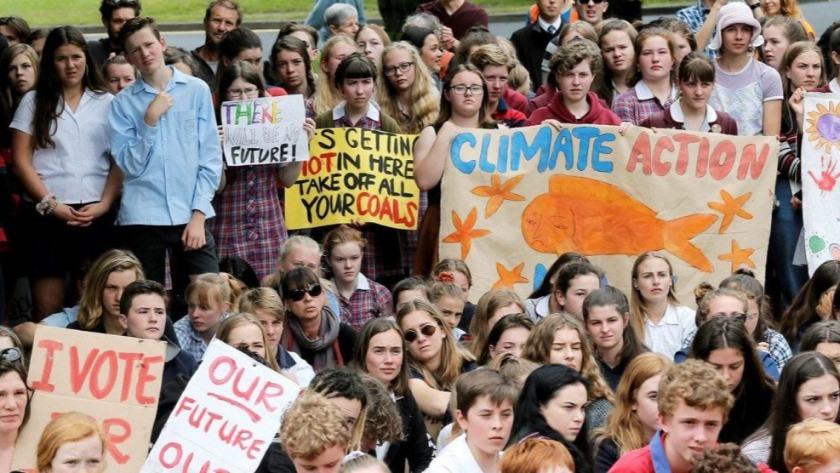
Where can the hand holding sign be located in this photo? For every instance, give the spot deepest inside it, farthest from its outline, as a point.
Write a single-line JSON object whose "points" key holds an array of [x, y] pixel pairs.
{"points": [[267, 130]]}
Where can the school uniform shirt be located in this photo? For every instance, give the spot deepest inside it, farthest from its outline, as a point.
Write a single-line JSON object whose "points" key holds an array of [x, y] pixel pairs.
{"points": [[638, 102], [674, 118], [598, 113], [190, 340], [455, 458], [648, 459], [538, 308], [666, 337], [742, 94], [530, 43], [370, 300], [174, 167], [76, 170]]}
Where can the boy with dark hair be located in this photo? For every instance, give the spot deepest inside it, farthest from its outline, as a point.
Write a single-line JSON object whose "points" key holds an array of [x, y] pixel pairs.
{"points": [[114, 14], [530, 42], [573, 68], [484, 401], [143, 315], [694, 402], [164, 139]]}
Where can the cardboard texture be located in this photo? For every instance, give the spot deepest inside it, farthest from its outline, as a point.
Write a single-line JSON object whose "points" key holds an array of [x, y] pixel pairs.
{"points": [[114, 379], [514, 200]]}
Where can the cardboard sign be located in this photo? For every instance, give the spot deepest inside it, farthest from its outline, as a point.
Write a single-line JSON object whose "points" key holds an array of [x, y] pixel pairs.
{"points": [[356, 174], [114, 379], [820, 198], [226, 418], [267, 130], [514, 200]]}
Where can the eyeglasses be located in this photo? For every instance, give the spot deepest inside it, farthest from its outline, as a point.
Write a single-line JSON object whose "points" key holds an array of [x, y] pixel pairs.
{"points": [[427, 330], [586, 2], [235, 93], [402, 67], [11, 354], [314, 290], [462, 89]]}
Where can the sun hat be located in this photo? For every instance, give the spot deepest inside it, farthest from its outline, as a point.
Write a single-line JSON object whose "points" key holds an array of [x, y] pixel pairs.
{"points": [[733, 14]]}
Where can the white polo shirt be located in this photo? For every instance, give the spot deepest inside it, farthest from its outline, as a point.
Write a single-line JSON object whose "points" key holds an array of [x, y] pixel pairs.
{"points": [[666, 337], [77, 168]]}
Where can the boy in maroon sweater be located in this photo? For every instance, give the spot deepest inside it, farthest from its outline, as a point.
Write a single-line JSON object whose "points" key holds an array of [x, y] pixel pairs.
{"points": [[572, 70]]}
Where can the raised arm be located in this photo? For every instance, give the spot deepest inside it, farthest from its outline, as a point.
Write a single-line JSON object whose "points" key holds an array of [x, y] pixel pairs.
{"points": [[430, 152]]}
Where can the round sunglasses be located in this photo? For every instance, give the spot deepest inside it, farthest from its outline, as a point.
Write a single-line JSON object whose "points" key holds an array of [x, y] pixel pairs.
{"points": [[427, 330]]}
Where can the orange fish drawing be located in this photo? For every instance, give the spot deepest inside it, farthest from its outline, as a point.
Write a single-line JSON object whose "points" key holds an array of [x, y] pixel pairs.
{"points": [[596, 218]]}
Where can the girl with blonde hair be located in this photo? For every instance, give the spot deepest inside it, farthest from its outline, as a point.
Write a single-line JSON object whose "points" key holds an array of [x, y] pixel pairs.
{"points": [[406, 90], [435, 360], [561, 339], [327, 95], [99, 306], [634, 420], [244, 330]]}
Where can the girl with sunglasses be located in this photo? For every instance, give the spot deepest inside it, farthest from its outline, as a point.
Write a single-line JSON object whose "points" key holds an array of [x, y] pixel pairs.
{"points": [[361, 299], [435, 361], [380, 352], [314, 331], [724, 343]]}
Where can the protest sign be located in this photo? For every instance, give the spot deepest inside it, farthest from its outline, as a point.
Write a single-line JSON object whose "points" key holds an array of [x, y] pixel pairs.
{"points": [[226, 417], [514, 200], [267, 130], [114, 379], [355, 174], [820, 200]]}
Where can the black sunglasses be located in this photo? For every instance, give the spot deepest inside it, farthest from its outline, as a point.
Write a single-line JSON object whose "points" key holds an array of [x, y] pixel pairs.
{"points": [[314, 290], [426, 330], [11, 354]]}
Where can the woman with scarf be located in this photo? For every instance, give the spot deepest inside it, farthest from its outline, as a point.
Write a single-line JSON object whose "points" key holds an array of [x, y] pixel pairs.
{"points": [[314, 332]]}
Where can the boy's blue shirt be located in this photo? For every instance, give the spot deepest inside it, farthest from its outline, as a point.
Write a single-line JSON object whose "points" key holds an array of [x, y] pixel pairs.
{"points": [[174, 167]]}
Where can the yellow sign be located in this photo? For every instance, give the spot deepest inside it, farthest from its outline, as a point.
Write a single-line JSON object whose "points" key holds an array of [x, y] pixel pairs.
{"points": [[355, 175]]}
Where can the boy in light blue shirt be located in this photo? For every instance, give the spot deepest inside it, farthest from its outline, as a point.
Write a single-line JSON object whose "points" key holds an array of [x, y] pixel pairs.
{"points": [[164, 139]]}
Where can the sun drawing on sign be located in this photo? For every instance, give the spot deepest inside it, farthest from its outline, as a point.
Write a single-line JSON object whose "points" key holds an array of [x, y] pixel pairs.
{"points": [[824, 126]]}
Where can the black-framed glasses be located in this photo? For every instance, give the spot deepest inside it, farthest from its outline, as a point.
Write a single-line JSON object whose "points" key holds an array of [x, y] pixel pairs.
{"points": [[427, 330], [461, 89], [402, 67], [11, 355], [314, 290], [596, 2], [244, 92]]}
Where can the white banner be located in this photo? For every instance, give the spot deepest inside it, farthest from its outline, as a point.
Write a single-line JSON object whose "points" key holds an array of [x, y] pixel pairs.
{"points": [[226, 418], [267, 130], [820, 150]]}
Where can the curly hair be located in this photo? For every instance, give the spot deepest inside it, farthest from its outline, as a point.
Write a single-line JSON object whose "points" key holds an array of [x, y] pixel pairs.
{"points": [[312, 425], [383, 422], [697, 385], [725, 457]]}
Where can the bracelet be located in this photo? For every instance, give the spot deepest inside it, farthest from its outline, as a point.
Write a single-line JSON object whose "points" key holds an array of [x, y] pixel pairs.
{"points": [[51, 208], [41, 207]]}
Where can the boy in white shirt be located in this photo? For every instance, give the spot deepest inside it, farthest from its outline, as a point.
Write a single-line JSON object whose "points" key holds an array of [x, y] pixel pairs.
{"points": [[485, 405]]}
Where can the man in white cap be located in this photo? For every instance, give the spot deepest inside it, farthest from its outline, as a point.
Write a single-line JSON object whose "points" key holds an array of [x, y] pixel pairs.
{"points": [[748, 90]]}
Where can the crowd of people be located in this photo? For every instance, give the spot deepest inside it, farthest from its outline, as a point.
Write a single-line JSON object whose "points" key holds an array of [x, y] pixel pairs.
{"points": [[117, 209]]}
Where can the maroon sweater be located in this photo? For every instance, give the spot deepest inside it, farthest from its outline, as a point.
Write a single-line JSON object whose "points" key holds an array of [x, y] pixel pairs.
{"points": [[722, 123], [598, 113]]}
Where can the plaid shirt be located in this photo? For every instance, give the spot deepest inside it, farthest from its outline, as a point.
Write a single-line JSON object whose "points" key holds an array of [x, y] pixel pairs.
{"points": [[191, 341], [638, 103], [694, 16], [369, 301]]}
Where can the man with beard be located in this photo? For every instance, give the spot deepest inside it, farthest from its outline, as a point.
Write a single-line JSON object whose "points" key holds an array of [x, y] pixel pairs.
{"points": [[220, 17], [114, 13]]}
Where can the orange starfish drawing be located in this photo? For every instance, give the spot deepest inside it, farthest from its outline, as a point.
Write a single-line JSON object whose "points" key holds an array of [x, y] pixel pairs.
{"points": [[464, 232], [730, 208], [508, 278], [498, 192], [738, 256]]}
